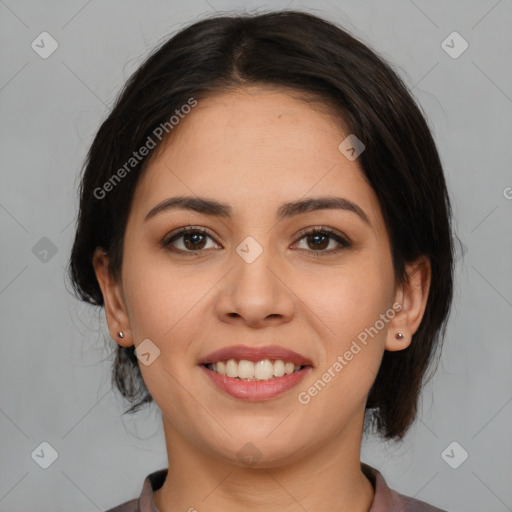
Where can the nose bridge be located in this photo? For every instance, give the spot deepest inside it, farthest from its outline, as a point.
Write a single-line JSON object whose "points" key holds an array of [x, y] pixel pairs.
{"points": [[253, 291]]}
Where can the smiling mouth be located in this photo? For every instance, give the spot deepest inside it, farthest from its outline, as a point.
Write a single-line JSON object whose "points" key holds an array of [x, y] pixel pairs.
{"points": [[263, 370]]}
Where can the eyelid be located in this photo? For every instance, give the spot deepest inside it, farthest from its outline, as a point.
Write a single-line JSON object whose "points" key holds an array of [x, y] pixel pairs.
{"points": [[323, 229], [342, 240], [185, 229], [178, 232]]}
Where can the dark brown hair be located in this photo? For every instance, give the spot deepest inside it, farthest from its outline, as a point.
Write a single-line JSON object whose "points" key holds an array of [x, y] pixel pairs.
{"points": [[306, 54]]}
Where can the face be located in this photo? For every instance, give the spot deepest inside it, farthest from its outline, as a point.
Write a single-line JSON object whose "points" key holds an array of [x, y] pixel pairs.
{"points": [[258, 278]]}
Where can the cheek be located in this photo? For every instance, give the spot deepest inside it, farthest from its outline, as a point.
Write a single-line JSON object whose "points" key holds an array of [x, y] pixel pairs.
{"points": [[161, 297], [349, 301], [165, 304], [354, 336], [349, 298]]}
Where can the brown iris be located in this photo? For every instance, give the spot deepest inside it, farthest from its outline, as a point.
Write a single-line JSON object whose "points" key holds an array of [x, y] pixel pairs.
{"points": [[197, 241], [324, 241]]}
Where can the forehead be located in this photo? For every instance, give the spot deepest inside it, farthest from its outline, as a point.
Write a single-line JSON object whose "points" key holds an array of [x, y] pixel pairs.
{"points": [[255, 144]]}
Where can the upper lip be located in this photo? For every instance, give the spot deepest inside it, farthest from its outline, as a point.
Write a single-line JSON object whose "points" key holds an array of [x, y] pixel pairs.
{"points": [[255, 354]]}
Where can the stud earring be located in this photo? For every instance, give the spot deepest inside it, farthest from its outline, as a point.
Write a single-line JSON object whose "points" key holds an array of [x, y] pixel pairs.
{"points": [[399, 336], [121, 334]]}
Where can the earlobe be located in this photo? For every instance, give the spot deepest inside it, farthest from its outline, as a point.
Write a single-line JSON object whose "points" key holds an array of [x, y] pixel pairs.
{"points": [[115, 310], [412, 296]]}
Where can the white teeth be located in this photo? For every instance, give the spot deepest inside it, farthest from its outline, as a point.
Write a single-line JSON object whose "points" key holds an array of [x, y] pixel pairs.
{"points": [[232, 368], [288, 368], [221, 368], [246, 369], [279, 370], [261, 370]]}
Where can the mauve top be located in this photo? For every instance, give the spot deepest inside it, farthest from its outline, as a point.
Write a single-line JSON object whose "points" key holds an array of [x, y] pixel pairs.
{"points": [[385, 499]]}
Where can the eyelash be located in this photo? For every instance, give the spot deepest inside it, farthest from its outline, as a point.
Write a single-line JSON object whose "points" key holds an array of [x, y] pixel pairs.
{"points": [[343, 242]]}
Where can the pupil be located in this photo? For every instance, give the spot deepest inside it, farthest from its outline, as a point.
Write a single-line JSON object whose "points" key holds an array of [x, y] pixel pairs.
{"points": [[194, 240], [318, 238]]}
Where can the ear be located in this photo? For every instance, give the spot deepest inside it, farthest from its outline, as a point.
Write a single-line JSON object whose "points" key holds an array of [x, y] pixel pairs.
{"points": [[412, 296], [115, 309]]}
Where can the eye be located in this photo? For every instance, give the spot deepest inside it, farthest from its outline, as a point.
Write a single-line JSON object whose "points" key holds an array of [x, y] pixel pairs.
{"points": [[323, 241], [318, 241], [188, 239]]}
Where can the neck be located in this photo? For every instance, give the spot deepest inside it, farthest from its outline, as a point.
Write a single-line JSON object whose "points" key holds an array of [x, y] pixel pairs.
{"points": [[327, 478]]}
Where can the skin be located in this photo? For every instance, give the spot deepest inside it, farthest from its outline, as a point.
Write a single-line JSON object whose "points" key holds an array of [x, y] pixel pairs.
{"points": [[255, 149]]}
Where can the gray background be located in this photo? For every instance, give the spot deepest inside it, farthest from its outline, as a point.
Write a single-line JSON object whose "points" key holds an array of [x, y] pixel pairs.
{"points": [[54, 369]]}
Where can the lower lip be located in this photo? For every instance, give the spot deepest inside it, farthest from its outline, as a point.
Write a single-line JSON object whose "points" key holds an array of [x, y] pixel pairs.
{"points": [[257, 389]]}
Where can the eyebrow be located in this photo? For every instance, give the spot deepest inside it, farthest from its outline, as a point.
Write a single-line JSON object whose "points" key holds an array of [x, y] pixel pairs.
{"points": [[286, 210]]}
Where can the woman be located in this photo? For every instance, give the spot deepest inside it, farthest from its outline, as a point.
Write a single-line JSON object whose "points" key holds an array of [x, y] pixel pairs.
{"points": [[265, 220]]}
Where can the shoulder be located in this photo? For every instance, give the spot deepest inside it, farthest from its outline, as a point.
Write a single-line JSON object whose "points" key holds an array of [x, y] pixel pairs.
{"points": [[408, 504], [145, 502], [127, 506], [389, 500]]}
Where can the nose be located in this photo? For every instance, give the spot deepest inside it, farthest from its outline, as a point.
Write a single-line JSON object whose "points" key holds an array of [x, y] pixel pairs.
{"points": [[255, 294]]}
